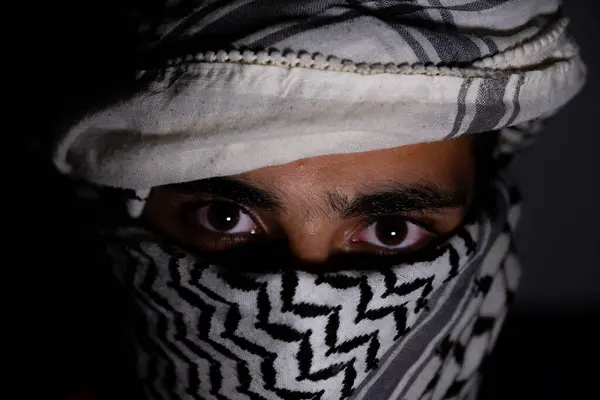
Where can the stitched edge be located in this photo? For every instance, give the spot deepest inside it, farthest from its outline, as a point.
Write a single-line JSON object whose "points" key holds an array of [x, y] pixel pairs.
{"points": [[529, 47], [484, 68]]}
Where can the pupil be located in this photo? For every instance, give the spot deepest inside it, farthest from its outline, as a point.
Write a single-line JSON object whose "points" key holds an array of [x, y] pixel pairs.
{"points": [[223, 216], [391, 231]]}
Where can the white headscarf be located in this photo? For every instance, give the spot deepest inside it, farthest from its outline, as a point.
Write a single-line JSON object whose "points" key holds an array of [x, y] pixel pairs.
{"points": [[252, 83]]}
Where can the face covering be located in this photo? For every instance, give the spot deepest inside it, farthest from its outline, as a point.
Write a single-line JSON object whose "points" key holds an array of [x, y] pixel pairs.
{"points": [[321, 77], [415, 330]]}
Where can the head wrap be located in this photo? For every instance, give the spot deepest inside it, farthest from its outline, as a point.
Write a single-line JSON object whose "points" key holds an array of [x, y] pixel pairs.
{"points": [[229, 86], [252, 83]]}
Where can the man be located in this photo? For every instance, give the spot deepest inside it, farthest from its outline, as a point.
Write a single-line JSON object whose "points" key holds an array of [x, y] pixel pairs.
{"points": [[314, 209]]}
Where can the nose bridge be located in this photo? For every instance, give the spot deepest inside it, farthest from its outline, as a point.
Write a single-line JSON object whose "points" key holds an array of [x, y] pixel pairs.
{"points": [[309, 222], [310, 236]]}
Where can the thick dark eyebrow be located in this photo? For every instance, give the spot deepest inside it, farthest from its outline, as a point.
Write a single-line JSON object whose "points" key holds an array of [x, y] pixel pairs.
{"points": [[396, 199], [232, 189], [404, 198]]}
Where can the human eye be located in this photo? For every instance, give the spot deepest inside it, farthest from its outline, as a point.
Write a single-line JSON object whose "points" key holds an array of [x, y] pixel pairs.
{"points": [[224, 217], [392, 234], [220, 225]]}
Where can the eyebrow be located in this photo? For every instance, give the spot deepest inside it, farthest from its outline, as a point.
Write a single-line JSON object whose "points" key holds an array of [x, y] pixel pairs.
{"points": [[234, 190], [396, 198], [405, 198]]}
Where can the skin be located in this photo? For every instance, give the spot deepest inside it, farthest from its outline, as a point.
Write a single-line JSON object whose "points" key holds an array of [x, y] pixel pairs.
{"points": [[310, 206]]}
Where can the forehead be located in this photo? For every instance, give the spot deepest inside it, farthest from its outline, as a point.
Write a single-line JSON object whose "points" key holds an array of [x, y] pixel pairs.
{"points": [[447, 164]]}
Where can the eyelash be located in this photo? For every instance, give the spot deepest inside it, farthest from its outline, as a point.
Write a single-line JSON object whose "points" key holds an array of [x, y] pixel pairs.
{"points": [[424, 223], [214, 240], [221, 242]]}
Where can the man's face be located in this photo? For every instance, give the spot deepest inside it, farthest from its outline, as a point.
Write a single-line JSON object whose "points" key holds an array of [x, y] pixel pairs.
{"points": [[384, 202]]}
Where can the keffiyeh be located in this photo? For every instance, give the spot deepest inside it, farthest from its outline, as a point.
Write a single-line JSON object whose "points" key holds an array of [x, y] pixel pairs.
{"points": [[246, 84], [225, 87]]}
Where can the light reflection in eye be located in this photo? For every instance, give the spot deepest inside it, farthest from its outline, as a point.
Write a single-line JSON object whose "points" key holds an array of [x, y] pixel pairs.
{"points": [[224, 225], [393, 233], [225, 218]]}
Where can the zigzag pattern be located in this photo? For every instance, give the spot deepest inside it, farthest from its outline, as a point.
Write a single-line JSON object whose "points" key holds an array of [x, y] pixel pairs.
{"points": [[453, 349], [211, 333]]}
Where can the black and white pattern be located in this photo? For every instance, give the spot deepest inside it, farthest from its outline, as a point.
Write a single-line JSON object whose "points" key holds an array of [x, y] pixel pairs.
{"points": [[441, 358], [210, 333], [280, 335]]}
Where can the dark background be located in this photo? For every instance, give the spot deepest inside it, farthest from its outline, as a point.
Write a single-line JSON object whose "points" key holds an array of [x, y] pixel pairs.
{"points": [[549, 347], [560, 178]]}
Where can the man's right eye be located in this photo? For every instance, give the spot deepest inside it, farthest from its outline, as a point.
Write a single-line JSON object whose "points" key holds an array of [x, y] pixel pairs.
{"points": [[216, 226], [224, 218]]}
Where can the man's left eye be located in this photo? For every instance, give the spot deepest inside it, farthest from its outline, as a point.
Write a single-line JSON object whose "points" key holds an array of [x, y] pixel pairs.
{"points": [[393, 233]]}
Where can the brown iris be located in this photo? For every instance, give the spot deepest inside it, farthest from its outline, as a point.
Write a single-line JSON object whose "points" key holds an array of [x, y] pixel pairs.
{"points": [[223, 216], [391, 231]]}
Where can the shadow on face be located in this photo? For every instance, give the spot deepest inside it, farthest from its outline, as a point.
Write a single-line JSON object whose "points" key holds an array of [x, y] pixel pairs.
{"points": [[324, 211]]}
